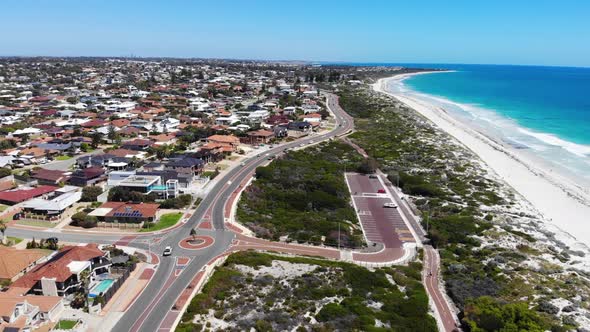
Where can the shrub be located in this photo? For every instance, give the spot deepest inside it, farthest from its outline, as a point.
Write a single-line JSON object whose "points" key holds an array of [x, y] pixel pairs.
{"points": [[90, 194], [78, 218]]}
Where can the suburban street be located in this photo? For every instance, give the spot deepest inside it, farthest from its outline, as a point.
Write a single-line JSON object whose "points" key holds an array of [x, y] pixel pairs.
{"points": [[154, 309]]}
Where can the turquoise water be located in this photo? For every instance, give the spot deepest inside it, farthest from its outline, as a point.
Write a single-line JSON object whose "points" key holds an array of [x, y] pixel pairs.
{"points": [[102, 287], [544, 111]]}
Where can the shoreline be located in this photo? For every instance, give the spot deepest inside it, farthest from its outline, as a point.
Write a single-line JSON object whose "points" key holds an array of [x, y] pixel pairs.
{"points": [[562, 203]]}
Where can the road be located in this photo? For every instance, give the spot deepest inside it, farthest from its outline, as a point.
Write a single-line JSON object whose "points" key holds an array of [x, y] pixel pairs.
{"points": [[154, 309], [154, 305]]}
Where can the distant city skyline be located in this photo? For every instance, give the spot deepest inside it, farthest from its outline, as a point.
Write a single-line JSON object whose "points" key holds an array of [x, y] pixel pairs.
{"points": [[500, 32]]}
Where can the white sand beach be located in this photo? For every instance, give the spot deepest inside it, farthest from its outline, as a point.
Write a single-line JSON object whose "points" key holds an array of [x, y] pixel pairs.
{"points": [[564, 205]]}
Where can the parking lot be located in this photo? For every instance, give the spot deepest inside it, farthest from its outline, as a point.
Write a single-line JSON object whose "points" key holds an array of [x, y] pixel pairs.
{"points": [[379, 223]]}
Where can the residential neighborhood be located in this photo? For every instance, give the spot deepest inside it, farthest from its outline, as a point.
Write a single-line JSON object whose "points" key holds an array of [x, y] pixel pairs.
{"points": [[115, 145]]}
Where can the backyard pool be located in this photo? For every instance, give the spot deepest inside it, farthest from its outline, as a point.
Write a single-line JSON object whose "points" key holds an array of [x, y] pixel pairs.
{"points": [[102, 287]]}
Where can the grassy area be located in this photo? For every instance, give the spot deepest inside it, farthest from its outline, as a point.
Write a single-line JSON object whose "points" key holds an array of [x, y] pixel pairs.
{"points": [[14, 240], [3, 207], [36, 223], [340, 296], [66, 324], [166, 221], [63, 157], [303, 195]]}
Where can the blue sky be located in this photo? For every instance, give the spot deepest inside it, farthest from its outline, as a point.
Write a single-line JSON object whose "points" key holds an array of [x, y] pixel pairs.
{"points": [[501, 32]]}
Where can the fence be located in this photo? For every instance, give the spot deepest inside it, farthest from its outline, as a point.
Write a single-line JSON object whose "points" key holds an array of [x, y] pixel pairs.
{"points": [[123, 273]]}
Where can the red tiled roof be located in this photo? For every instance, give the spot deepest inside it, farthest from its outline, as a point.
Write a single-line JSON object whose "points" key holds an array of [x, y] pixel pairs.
{"points": [[57, 267], [17, 196], [261, 133], [48, 174], [145, 209], [94, 123]]}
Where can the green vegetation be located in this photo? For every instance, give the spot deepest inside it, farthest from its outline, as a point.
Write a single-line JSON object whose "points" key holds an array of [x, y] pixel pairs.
{"points": [[166, 221], [36, 223], [303, 195], [119, 194], [64, 157], [11, 240], [3, 207], [66, 324], [450, 191], [340, 296], [90, 193]]}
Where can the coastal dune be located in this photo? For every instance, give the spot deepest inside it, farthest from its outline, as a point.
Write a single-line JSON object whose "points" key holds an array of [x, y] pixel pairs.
{"points": [[563, 204]]}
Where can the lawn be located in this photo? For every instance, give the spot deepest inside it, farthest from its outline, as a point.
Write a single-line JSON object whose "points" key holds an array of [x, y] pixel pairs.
{"points": [[166, 221], [36, 223], [3, 207], [14, 240], [63, 157], [66, 324]]}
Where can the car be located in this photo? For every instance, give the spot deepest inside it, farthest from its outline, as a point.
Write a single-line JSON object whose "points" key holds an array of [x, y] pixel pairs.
{"points": [[270, 157], [372, 176], [242, 164], [53, 240], [167, 251], [381, 191], [390, 205]]}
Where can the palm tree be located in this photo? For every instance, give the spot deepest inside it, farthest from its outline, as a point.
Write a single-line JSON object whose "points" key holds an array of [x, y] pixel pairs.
{"points": [[193, 233], [85, 279]]}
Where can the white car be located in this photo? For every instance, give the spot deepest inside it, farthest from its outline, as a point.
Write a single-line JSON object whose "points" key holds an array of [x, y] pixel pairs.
{"points": [[390, 205], [167, 251]]}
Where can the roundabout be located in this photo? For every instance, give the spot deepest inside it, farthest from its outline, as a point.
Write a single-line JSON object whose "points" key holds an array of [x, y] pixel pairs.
{"points": [[196, 242]]}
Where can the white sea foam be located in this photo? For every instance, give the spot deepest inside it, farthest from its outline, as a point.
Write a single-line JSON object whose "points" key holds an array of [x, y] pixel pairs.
{"points": [[571, 156], [577, 149]]}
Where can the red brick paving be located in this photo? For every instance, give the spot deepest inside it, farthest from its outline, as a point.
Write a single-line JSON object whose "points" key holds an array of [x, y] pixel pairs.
{"points": [[168, 321], [146, 274], [206, 242], [182, 261], [233, 228], [205, 225], [125, 240], [186, 293], [246, 242]]}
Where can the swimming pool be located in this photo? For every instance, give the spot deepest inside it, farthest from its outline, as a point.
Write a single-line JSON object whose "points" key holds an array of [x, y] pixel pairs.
{"points": [[102, 287]]}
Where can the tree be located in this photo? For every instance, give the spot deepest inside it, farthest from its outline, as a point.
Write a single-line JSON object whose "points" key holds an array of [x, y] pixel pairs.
{"points": [[85, 280], [5, 172], [368, 166], [193, 233], [112, 134], [78, 218], [90, 194], [3, 231], [96, 139]]}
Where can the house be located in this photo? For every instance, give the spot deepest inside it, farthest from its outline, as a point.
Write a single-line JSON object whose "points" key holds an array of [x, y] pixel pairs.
{"points": [[87, 176], [11, 197], [187, 165], [49, 176], [147, 184], [227, 143], [61, 274], [123, 212], [14, 263], [26, 313], [260, 136], [137, 144], [55, 204]]}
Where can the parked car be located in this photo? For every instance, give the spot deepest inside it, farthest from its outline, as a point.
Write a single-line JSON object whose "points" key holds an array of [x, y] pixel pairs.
{"points": [[390, 205], [372, 176], [381, 191], [167, 251]]}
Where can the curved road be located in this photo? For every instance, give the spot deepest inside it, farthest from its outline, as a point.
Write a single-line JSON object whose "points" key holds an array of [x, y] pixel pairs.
{"points": [[153, 305]]}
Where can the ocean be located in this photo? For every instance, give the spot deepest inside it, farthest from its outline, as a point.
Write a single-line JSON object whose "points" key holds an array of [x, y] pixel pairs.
{"points": [[543, 111]]}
